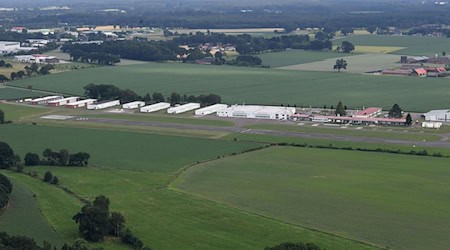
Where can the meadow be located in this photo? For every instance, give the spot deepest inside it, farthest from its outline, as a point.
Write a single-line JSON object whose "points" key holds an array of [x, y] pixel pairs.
{"points": [[16, 113], [393, 201], [13, 93], [295, 56], [413, 45], [257, 86], [119, 149], [23, 217]]}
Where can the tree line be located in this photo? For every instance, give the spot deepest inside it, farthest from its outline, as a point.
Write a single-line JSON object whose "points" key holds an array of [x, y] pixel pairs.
{"points": [[110, 92], [60, 158], [5, 190]]}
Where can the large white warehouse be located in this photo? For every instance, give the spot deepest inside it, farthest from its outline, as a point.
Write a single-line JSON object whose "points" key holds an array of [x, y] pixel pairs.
{"points": [[64, 101], [133, 105], [210, 109], [103, 105], [81, 103], [183, 108], [155, 107], [442, 115], [258, 112]]}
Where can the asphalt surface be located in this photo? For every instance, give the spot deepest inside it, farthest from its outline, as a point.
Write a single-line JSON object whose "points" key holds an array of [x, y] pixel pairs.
{"points": [[237, 129]]}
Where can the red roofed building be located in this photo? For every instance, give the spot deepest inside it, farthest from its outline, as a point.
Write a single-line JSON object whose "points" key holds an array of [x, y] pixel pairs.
{"points": [[368, 112], [420, 72]]}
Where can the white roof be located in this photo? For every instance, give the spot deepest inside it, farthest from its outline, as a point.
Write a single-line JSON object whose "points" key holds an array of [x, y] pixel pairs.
{"points": [[64, 99], [46, 98], [82, 101], [259, 109], [133, 103], [437, 111]]}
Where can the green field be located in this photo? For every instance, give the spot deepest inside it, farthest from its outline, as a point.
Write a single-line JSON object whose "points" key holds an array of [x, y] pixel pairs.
{"points": [[121, 150], [13, 94], [15, 112], [395, 201], [165, 219], [258, 86], [23, 217], [414, 45], [292, 57]]}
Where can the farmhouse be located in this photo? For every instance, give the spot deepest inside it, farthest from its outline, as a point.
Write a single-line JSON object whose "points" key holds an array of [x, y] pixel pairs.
{"points": [[442, 115], [368, 112], [155, 107], [258, 112], [45, 100], [103, 105], [183, 108], [210, 109], [81, 103], [64, 101], [133, 105]]}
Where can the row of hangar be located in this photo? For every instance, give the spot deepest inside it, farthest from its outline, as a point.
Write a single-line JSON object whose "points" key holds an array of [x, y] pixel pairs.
{"points": [[222, 110]]}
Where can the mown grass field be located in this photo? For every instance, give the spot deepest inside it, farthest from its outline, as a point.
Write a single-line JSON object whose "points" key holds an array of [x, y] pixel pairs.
{"points": [[13, 94], [413, 45], [23, 217], [258, 86], [292, 57], [16, 112], [395, 201], [165, 219], [118, 149]]}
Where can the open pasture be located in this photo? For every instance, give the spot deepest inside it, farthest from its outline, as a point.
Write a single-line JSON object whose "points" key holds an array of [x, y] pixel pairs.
{"points": [[413, 45], [394, 201], [120, 150], [16, 112], [295, 56], [356, 63], [258, 86], [13, 93], [23, 217]]}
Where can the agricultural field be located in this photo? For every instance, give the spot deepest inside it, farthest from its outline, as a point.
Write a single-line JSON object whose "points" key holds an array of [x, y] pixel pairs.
{"points": [[294, 57], [412, 45], [16, 66], [23, 217], [267, 86], [358, 64], [118, 149], [402, 198], [16, 113], [14, 93]]}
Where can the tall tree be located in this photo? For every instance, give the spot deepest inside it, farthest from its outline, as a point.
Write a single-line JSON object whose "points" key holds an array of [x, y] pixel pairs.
{"points": [[48, 176], [93, 219], [395, 111], [340, 110], [347, 47], [7, 157], [408, 119], [2, 117], [340, 64]]}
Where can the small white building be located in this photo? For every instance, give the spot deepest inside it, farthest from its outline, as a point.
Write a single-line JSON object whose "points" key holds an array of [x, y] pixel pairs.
{"points": [[183, 108], [133, 105], [435, 125], [46, 99], [155, 107], [103, 105], [64, 101], [36, 58], [442, 115], [9, 47], [257, 112], [210, 109], [81, 103]]}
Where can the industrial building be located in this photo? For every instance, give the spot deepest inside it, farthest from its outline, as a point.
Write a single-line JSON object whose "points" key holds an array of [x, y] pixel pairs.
{"points": [[103, 105], [210, 109], [183, 108], [442, 115], [45, 100], [351, 120], [155, 107], [81, 103], [7, 47], [133, 105], [258, 112], [435, 125], [64, 101], [36, 58]]}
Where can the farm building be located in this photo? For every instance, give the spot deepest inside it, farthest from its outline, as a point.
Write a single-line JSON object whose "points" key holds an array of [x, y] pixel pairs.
{"points": [[103, 105], [442, 115], [431, 125], [36, 58], [210, 109], [155, 107], [64, 101], [368, 112], [133, 105], [258, 112], [45, 100], [183, 108], [81, 103]]}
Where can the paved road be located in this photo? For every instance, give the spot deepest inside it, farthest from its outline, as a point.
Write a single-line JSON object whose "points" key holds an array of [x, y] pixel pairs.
{"points": [[236, 129]]}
